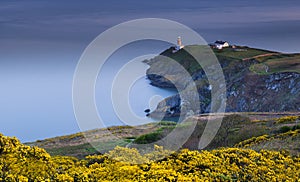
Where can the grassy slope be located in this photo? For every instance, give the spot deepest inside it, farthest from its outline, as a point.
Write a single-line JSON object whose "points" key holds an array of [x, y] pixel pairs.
{"points": [[101, 140], [268, 61], [288, 141], [66, 145], [277, 63], [241, 53], [273, 62]]}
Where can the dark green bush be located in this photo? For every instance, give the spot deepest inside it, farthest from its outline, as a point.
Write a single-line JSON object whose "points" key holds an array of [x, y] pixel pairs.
{"points": [[284, 129], [167, 123], [148, 138]]}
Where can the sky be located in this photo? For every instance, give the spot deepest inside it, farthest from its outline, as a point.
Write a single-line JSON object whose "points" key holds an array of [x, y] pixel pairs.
{"points": [[41, 42]]}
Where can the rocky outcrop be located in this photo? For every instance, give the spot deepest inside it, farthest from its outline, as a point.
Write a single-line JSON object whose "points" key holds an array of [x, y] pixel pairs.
{"points": [[246, 91], [274, 93]]}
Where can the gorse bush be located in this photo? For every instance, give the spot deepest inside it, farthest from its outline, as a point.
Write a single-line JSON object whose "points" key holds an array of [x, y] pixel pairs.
{"points": [[287, 119], [256, 140], [149, 138], [20, 163], [284, 129]]}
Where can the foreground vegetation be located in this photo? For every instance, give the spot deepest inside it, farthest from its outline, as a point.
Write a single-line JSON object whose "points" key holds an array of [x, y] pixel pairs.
{"points": [[272, 154], [235, 128], [19, 162]]}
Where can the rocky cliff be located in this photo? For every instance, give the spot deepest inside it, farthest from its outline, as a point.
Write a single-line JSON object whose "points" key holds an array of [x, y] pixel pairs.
{"points": [[277, 89]]}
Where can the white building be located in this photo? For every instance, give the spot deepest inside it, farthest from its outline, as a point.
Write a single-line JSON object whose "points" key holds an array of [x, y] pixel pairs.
{"points": [[221, 44]]}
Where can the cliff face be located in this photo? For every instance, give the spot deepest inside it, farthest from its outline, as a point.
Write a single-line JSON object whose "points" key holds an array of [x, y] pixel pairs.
{"points": [[247, 91], [275, 92]]}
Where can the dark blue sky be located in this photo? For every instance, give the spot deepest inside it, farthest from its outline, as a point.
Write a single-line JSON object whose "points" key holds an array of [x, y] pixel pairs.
{"points": [[41, 42]]}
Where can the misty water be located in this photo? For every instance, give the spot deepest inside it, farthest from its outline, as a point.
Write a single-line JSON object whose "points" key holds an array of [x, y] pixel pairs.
{"points": [[137, 90]]}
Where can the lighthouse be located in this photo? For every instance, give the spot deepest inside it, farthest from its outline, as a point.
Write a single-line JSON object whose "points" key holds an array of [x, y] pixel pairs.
{"points": [[179, 45]]}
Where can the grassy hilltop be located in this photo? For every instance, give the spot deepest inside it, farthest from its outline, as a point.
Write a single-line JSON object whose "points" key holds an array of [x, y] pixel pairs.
{"points": [[265, 60], [268, 62]]}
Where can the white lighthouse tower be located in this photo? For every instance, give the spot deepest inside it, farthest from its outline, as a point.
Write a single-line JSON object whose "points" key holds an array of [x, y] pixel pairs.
{"points": [[179, 45]]}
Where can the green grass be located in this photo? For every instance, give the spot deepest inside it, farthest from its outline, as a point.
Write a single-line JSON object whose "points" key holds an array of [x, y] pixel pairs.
{"points": [[234, 128], [149, 138], [286, 139], [80, 151], [245, 53], [277, 64], [186, 57], [167, 123], [269, 62]]}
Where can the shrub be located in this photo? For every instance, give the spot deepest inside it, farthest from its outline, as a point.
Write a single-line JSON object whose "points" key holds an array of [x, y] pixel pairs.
{"points": [[287, 119], [148, 138], [167, 123], [19, 162], [284, 129], [296, 127]]}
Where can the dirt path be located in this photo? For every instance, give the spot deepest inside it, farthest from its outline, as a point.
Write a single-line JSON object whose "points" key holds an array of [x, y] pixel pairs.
{"points": [[251, 115], [261, 55]]}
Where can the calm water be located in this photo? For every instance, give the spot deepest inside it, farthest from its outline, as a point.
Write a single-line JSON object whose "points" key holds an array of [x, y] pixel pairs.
{"points": [[141, 94]]}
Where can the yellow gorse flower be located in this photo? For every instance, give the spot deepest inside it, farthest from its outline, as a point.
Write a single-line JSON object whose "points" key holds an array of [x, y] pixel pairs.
{"points": [[21, 163]]}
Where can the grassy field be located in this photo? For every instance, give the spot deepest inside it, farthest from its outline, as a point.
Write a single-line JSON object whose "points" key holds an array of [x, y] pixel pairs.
{"points": [[240, 52], [82, 150], [235, 128], [276, 64], [102, 140], [268, 62]]}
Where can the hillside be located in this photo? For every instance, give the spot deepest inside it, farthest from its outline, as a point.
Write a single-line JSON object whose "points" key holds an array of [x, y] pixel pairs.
{"points": [[256, 80], [79, 144], [236, 127], [20, 163], [248, 147]]}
